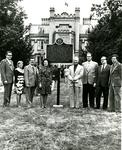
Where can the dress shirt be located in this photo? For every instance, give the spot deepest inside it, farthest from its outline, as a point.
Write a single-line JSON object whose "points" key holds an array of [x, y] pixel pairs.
{"points": [[103, 66]]}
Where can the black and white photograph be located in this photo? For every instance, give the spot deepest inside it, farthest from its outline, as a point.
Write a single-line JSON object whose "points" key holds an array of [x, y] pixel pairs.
{"points": [[60, 74]]}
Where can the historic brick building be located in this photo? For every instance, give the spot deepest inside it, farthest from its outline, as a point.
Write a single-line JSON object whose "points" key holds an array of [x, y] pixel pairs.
{"points": [[66, 26]]}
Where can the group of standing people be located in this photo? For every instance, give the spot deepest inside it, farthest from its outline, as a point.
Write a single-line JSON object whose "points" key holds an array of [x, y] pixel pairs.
{"points": [[26, 80], [86, 82]]}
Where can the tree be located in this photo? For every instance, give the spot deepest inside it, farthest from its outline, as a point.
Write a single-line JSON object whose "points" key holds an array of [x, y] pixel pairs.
{"points": [[12, 31], [106, 38]]}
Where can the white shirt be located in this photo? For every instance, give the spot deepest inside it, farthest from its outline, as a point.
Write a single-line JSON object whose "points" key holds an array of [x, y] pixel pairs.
{"points": [[9, 61]]}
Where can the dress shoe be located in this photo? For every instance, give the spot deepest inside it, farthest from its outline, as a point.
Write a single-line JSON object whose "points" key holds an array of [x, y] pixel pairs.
{"points": [[8, 104], [96, 107], [72, 107], [104, 108], [4, 105], [77, 107], [85, 106]]}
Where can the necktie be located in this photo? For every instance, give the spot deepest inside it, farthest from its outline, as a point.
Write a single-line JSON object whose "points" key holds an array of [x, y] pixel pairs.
{"points": [[32, 68], [103, 67], [88, 66], [75, 66]]}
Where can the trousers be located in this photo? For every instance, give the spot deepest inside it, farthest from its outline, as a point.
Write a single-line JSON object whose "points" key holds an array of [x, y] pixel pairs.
{"points": [[75, 96]]}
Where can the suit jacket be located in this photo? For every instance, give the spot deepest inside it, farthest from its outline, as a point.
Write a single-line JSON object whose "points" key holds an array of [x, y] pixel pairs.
{"points": [[116, 75], [30, 76], [77, 75], [90, 69], [102, 76], [7, 71]]}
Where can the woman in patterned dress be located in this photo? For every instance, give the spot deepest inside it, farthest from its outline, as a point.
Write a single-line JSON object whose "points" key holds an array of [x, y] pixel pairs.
{"points": [[45, 82], [19, 81]]}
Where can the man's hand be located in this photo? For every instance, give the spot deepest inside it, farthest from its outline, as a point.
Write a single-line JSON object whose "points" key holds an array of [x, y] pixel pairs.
{"points": [[40, 85], [27, 85], [94, 85], [75, 79], [71, 79], [5, 82]]}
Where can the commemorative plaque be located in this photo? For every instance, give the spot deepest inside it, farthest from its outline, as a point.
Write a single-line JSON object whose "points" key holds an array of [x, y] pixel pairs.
{"points": [[59, 53]]}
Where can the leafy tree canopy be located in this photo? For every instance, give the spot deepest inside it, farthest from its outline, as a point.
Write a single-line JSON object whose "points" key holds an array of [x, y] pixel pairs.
{"points": [[12, 31], [106, 38]]}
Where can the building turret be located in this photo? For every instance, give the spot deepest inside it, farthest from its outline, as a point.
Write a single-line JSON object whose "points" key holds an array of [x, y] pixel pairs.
{"points": [[52, 11], [77, 12], [51, 25], [77, 22]]}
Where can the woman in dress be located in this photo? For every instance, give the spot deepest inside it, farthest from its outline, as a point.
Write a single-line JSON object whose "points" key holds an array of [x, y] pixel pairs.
{"points": [[19, 81], [45, 82]]}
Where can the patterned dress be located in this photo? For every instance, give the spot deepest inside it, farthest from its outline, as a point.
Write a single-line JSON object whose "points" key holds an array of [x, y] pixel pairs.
{"points": [[45, 78], [19, 80]]}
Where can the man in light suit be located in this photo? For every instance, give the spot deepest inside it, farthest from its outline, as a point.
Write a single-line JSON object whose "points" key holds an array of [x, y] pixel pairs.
{"points": [[30, 76], [90, 68], [7, 73], [115, 90], [102, 83], [75, 83]]}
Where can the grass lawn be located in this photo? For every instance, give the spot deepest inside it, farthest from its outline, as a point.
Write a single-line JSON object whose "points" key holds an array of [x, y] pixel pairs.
{"points": [[58, 128]]}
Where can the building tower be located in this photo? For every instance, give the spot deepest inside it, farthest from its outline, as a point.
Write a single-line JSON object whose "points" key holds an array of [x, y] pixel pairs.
{"points": [[51, 31], [77, 25]]}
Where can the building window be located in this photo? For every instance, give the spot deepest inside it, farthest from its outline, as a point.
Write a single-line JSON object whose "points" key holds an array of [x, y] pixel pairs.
{"points": [[40, 31], [38, 60], [32, 43], [86, 21], [42, 44], [39, 45]]}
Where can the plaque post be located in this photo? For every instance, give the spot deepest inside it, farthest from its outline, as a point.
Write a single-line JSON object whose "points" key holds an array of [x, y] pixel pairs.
{"points": [[58, 53], [58, 88]]}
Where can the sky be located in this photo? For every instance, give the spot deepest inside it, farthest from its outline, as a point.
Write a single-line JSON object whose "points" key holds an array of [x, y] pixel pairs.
{"points": [[37, 9]]}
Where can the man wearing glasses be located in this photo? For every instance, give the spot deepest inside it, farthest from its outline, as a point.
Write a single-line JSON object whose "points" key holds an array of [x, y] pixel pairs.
{"points": [[7, 73], [102, 83]]}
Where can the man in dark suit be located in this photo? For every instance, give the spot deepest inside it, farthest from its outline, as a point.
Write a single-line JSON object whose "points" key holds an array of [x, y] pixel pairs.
{"points": [[102, 83], [30, 76], [115, 90], [7, 72]]}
